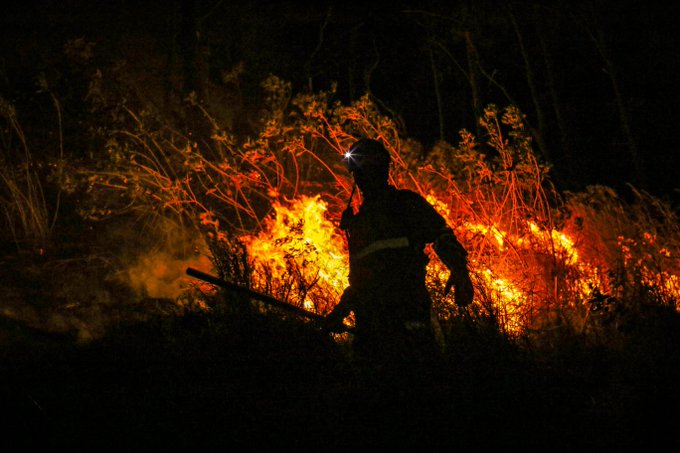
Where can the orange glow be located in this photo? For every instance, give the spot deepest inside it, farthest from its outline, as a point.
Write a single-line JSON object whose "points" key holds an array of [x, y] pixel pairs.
{"points": [[558, 241], [484, 230], [532, 252], [302, 252], [300, 249], [510, 301]]}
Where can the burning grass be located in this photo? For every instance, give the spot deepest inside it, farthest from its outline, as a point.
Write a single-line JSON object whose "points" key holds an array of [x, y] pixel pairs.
{"points": [[570, 273], [538, 256], [264, 208]]}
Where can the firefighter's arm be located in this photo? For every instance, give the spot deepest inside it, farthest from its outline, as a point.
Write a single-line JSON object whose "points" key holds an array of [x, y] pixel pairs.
{"points": [[334, 320], [454, 256]]}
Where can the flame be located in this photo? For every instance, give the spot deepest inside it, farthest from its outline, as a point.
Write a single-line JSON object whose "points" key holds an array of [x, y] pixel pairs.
{"points": [[511, 292], [521, 262], [302, 256], [299, 245], [487, 229], [300, 248], [558, 241], [510, 301]]}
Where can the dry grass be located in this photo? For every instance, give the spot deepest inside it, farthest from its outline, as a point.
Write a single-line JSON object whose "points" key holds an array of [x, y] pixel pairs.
{"points": [[539, 257], [27, 216]]}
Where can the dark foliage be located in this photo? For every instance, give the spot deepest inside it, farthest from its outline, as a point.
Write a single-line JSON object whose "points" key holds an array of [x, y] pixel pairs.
{"points": [[257, 382]]}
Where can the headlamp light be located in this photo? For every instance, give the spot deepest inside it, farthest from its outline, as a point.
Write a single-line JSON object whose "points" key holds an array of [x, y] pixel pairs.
{"points": [[350, 160]]}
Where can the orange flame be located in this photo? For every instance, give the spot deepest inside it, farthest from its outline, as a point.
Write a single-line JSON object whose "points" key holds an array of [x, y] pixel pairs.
{"points": [[300, 249], [303, 258]]}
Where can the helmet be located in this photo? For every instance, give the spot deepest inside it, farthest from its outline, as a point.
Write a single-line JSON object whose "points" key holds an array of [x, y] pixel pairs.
{"points": [[367, 156]]}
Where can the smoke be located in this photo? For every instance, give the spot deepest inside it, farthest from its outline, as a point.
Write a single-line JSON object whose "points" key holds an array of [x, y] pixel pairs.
{"points": [[162, 274], [156, 258]]}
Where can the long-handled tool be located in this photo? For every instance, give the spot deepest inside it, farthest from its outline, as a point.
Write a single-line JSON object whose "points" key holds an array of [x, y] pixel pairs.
{"points": [[269, 300]]}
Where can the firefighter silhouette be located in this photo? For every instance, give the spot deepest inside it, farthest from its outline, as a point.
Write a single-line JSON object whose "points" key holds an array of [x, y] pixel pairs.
{"points": [[386, 241]]}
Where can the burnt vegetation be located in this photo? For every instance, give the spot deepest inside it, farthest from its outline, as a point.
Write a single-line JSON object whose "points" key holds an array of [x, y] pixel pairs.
{"points": [[129, 152]]}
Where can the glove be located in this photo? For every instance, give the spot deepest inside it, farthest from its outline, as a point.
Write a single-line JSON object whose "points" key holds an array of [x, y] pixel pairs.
{"points": [[464, 292], [334, 321]]}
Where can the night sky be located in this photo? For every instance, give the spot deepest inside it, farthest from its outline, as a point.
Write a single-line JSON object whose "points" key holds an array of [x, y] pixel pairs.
{"points": [[574, 49]]}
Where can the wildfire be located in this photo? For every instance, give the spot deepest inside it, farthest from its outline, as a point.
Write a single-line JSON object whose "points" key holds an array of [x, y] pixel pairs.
{"points": [[500, 204], [301, 251], [300, 256], [485, 230], [510, 301], [558, 241]]}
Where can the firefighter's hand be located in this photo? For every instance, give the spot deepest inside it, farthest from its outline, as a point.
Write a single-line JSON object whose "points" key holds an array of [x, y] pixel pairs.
{"points": [[463, 291], [334, 322]]}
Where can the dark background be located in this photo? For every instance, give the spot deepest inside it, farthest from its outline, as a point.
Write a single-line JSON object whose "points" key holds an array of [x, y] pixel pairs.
{"points": [[597, 80]]}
